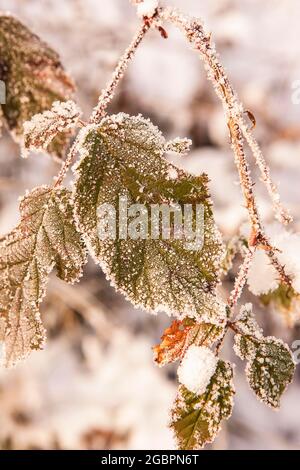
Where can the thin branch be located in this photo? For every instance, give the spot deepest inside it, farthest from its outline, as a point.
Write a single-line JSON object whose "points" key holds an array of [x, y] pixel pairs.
{"points": [[108, 93], [106, 96], [194, 31], [201, 41]]}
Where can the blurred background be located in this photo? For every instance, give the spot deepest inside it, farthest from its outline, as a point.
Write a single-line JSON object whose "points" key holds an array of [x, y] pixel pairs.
{"points": [[95, 386]]}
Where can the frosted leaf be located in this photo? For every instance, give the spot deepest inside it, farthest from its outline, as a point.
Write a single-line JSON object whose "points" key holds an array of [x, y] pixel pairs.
{"points": [[270, 366], [178, 145], [244, 343], [196, 369], [34, 78], [45, 238], [270, 370], [178, 337], [123, 156], [44, 127], [196, 420]]}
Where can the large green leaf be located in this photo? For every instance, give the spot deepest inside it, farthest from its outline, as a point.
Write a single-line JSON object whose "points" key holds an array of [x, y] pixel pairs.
{"points": [[45, 238], [197, 419], [123, 156], [34, 78]]}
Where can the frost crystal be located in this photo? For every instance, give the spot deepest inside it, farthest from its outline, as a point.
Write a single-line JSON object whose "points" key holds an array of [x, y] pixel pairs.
{"points": [[44, 127], [197, 368]]}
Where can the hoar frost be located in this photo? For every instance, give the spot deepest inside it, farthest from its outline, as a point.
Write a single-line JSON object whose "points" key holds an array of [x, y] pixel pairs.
{"points": [[197, 368], [147, 8]]}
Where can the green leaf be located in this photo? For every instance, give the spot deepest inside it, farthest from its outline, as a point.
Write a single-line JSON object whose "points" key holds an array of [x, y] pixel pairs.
{"points": [[270, 370], [270, 366], [45, 238], [196, 420], [123, 156], [34, 78]]}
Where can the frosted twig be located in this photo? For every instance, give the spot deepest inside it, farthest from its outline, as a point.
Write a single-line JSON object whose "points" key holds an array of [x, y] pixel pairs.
{"points": [[106, 95], [201, 41], [241, 279], [235, 294], [108, 92]]}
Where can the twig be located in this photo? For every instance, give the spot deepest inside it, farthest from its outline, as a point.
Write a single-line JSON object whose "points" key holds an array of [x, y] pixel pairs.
{"points": [[194, 30]]}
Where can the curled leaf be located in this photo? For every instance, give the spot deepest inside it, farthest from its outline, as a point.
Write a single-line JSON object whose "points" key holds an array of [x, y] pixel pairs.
{"points": [[44, 127], [34, 78]]}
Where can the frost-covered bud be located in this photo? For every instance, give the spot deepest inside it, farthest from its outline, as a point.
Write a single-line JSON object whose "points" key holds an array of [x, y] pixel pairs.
{"points": [[197, 368]]}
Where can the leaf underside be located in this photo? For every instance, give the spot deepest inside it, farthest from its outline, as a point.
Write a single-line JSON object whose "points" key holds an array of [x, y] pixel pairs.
{"points": [[123, 156], [45, 238], [34, 79], [196, 420]]}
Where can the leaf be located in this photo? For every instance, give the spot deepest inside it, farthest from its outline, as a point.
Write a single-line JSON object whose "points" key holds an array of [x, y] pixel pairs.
{"points": [[270, 370], [123, 157], [178, 337], [40, 131], [34, 78], [45, 238], [270, 366], [196, 420]]}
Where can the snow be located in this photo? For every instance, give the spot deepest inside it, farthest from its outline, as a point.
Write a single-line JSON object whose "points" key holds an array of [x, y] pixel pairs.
{"points": [[197, 368], [147, 8]]}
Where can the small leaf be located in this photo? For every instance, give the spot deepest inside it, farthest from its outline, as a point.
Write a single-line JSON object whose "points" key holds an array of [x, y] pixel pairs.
{"points": [[34, 78], [178, 337], [123, 157], [196, 420], [178, 145], [44, 127], [45, 238], [270, 370], [270, 366]]}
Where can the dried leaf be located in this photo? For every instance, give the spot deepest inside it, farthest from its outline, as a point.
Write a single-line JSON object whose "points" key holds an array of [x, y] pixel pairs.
{"points": [[45, 238], [196, 420], [34, 78], [123, 156], [180, 335]]}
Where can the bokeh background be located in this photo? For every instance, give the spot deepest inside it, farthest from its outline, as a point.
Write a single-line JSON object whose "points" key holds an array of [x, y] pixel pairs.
{"points": [[95, 386]]}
